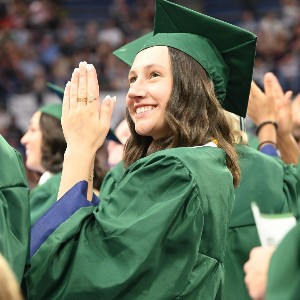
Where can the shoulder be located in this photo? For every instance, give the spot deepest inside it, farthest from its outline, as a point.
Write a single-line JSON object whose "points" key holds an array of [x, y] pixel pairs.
{"points": [[260, 163], [117, 171], [11, 165], [54, 180], [249, 154], [189, 157], [202, 164], [49, 187]]}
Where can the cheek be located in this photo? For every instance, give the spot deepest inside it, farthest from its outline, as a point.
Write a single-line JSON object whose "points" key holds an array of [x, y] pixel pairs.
{"points": [[129, 102], [38, 141]]}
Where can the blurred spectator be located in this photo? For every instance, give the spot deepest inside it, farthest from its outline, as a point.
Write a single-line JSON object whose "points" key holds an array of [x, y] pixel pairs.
{"points": [[115, 150], [296, 118], [111, 34], [271, 25], [248, 21], [290, 12], [89, 37], [41, 41], [288, 71]]}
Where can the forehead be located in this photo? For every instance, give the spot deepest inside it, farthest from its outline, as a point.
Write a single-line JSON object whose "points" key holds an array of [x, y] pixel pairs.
{"points": [[157, 55], [36, 118]]}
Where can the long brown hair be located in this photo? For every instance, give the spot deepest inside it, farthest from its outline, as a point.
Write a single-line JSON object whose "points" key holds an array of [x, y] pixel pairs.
{"points": [[193, 114], [53, 143]]}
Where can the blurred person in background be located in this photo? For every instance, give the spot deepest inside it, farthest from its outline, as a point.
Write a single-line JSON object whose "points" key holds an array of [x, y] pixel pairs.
{"points": [[14, 211]]}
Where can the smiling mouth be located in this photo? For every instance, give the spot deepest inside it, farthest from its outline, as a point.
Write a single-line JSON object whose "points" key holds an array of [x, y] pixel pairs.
{"points": [[143, 109]]}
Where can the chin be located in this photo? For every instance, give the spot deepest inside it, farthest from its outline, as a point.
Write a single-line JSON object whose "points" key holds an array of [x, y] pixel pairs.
{"points": [[140, 131], [33, 167]]}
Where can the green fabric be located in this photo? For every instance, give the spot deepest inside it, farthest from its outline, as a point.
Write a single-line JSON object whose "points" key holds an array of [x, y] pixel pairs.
{"points": [[111, 180], [54, 110], [284, 269], [274, 187], [14, 209], [43, 196], [253, 140], [160, 234], [59, 91], [225, 51]]}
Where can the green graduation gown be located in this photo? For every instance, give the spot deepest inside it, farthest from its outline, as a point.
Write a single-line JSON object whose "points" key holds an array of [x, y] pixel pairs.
{"points": [[14, 209], [160, 234], [284, 269], [43, 196], [274, 187]]}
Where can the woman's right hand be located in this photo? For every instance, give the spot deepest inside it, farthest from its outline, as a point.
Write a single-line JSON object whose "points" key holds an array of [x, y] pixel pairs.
{"points": [[256, 270], [85, 121], [262, 105]]}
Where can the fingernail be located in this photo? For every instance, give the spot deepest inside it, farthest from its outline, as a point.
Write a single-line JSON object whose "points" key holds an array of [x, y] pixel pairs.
{"points": [[106, 99], [114, 98], [89, 67]]}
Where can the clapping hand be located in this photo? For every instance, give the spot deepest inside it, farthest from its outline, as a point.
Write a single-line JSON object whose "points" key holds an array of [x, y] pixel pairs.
{"points": [[85, 120]]}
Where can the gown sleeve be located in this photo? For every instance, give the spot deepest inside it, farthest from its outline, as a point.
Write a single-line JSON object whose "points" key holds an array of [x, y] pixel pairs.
{"points": [[111, 179], [142, 241], [291, 187], [14, 209], [269, 149]]}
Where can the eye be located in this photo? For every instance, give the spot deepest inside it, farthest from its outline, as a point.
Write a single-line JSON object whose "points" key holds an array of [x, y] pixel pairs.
{"points": [[154, 74], [131, 80]]}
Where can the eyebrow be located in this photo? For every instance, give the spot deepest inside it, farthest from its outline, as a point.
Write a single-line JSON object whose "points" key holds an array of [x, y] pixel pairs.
{"points": [[147, 68]]}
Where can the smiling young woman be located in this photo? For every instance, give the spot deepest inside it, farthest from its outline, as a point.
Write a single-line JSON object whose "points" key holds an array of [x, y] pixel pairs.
{"points": [[177, 119], [165, 214]]}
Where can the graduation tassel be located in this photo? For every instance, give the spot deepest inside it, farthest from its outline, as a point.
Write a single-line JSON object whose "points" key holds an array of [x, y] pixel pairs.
{"points": [[242, 124]]}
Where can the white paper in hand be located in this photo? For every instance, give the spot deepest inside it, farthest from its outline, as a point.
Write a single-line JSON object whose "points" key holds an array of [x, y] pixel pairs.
{"points": [[272, 227]]}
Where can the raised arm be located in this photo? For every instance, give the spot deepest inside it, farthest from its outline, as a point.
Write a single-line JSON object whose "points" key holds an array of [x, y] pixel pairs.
{"points": [[286, 142], [85, 123], [262, 111], [271, 112]]}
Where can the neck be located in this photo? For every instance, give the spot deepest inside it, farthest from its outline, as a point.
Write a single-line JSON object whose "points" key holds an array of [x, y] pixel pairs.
{"points": [[160, 144]]}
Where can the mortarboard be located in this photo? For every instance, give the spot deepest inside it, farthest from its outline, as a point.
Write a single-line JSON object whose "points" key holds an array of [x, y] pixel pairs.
{"points": [[225, 51], [59, 91], [54, 110]]}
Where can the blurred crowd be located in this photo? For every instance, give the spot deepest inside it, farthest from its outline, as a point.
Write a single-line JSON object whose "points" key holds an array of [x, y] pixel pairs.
{"points": [[41, 42], [278, 46]]}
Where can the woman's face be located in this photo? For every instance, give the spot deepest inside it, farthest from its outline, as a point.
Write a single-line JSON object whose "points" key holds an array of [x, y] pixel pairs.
{"points": [[32, 140], [150, 86]]}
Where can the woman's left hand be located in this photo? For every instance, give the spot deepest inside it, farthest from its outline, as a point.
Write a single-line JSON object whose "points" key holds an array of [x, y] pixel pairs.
{"points": [[85, 121]]}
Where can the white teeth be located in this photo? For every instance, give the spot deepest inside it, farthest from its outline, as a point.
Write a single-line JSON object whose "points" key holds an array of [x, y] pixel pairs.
{"points": [[142, 109]]}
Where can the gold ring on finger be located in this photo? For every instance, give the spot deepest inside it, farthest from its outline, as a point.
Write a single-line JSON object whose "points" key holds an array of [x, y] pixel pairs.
{"points": [[81, 99]]}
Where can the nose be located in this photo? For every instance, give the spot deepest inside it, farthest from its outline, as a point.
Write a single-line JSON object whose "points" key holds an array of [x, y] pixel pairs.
{"points": [[137, 89], [24, 139]]}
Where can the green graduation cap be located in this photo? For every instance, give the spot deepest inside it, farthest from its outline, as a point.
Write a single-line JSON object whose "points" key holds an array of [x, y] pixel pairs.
{"points": [[55, 110], [225, 51]]}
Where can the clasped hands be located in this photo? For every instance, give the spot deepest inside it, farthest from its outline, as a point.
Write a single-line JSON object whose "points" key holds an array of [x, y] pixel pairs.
{"points": [[85, 120]]}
